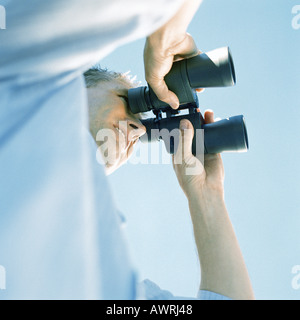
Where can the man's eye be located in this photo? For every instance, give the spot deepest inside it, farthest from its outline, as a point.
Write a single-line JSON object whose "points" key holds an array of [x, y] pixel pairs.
{"points": [[127, 103], [128, 108], [125, 98]]}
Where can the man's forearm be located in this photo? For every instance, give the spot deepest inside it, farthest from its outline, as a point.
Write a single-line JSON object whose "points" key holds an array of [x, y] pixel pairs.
{"points": [[222, 265]]}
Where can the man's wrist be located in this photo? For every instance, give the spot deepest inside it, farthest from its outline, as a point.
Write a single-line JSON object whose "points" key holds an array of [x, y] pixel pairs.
{"points": [[206, 200], [174, 31]]}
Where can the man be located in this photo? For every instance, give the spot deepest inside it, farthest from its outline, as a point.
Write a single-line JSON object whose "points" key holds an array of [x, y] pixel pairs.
{"points": [[59, 229], [116, 130]]}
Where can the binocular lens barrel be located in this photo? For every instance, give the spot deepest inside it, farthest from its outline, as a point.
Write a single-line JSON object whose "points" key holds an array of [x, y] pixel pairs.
{"points": [[226, 135], [212, 69]]}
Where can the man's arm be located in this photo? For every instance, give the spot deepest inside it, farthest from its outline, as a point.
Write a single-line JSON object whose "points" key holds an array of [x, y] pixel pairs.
{"points": [[168, 44], [223, 269]]}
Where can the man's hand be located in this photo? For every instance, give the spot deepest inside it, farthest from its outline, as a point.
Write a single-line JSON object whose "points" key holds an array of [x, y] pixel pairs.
{"points": [[168, 44], [222, 265], [158, 60], [210, 177]]}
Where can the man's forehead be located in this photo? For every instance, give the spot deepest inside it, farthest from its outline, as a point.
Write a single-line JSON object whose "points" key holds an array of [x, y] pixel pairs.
{"points": [[118, 88], [122, 86]]}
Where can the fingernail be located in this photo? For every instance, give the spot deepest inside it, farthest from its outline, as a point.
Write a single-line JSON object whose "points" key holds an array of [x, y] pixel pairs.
{"points": [[174, 104]]}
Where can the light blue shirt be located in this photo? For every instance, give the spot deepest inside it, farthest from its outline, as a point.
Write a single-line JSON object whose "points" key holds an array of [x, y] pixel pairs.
{"points": [[60, 235]]}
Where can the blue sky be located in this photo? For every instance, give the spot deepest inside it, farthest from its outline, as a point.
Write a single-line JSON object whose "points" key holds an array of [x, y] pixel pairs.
{"points": [[261, 187]]}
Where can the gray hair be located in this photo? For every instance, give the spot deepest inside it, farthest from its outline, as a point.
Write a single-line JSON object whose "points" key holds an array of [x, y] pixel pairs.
{"points": [[97, 74]]}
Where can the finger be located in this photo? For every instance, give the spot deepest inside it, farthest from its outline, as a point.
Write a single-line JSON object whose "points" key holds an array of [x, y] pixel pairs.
{"points": [[187, 134], [209, 116], [199, 90], [184, 150], [162, 92], [185, 49], [155, 70]]}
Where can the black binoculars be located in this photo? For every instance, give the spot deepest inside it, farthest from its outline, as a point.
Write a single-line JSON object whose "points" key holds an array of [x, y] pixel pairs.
{"points": [[212, 69]]}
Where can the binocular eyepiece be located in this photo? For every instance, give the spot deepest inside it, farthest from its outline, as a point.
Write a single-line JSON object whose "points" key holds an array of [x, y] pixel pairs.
{"points": [[212, 69]]}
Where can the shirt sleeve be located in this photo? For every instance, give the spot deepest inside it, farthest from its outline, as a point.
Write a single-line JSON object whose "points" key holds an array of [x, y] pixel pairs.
{"points": [[149, 290], [60, 232], [209, 295], [46, 38]]}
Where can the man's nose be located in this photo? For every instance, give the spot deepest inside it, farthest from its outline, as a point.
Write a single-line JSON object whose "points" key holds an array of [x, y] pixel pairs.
{"points": [[135, 129]]}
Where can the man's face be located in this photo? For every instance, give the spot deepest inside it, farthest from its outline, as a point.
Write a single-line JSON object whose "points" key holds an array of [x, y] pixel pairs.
{"points": [[113, 126]]}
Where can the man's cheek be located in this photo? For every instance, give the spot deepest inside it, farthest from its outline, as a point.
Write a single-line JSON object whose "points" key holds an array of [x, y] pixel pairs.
{"points": [[107, 152], [130, 151]]}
